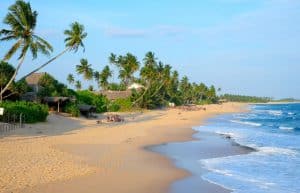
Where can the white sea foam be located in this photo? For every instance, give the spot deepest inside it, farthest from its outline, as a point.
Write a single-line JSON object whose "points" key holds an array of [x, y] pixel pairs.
{"points": [[276, 150], [246, 123], [286, 128], [274, 112]]}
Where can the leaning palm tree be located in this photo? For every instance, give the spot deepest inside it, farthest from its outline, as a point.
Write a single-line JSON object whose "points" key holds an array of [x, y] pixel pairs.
{"points": [[85, 69], [22, 22], [70, 79], [78, 85], [73, 41]]}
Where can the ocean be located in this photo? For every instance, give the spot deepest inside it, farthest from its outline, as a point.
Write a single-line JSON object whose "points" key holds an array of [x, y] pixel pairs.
{"points": [[274, 132], [271, 130]]}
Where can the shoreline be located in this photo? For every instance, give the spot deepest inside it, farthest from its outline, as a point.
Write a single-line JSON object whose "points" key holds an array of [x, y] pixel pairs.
{"points": [[89, 157], [205, 145]]}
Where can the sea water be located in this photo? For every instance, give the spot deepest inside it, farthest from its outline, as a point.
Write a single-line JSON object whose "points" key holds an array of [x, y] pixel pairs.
{"points": [[274, 132]]}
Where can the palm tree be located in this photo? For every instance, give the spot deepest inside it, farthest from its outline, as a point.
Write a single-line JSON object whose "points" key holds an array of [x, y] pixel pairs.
{"points": [[22, 22], [97, 76], [70, 79], [85, 69], [104, 76], [129, 65], [78, 85], [91, 88], [73, 41]]}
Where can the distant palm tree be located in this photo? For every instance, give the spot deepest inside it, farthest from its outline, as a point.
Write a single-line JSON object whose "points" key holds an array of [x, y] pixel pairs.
{"points": [[78, 85], [97, 76], [91, 88], [104, 76], [85, 69], [70, 79], [22, 22], [127, 65], [73, 41]]}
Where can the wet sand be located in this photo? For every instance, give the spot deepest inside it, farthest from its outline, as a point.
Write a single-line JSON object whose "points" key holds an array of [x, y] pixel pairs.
{"points": [[186, 155]]}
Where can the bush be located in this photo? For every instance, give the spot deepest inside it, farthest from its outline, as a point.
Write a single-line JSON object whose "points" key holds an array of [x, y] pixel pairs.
{"points": [[72, 108], [90, 98], [33, 112], [120, 105]]}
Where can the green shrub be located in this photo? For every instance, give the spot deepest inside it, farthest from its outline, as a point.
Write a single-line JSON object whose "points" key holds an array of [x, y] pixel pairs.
{"points": [[120, 105], [113, 107], [33, 112], [90, 98], [72, 108]]}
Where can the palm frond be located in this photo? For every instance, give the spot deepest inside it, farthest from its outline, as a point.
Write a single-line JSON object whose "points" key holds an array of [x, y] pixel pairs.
{"points": [[13, 50]]}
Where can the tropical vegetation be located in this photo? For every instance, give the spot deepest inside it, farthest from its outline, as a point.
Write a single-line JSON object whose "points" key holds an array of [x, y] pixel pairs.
{"points": [[245, 99], [30, 112]]}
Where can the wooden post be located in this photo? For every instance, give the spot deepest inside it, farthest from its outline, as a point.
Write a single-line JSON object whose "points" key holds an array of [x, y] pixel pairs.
{"points": [[58, 106], [21, 120]]}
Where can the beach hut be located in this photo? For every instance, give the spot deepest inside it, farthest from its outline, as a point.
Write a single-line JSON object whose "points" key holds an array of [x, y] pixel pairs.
{"points": [[56, 102], [33, 81], [87, 110]]}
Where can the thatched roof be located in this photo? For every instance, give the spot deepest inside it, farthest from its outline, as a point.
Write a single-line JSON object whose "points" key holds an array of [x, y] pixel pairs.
{"points": [[55, 99], [34, 78], [113, 95], [87, 108]]}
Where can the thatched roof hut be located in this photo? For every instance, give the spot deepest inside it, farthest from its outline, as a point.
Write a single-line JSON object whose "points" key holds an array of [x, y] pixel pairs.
{"points": [[33, 80], [87, 110], [56, 101], [113, 95]]}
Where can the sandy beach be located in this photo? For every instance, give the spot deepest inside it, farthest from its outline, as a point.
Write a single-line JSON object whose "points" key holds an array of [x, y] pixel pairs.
{"points": [[77, 155]]}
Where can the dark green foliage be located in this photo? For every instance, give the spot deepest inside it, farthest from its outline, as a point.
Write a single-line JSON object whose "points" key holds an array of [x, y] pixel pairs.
{"points": [[72, 108], [246, 99], [162, 86], [6, 72], [90, 98], [16, 88], [51, 87], [33, 112], [289, 100]]}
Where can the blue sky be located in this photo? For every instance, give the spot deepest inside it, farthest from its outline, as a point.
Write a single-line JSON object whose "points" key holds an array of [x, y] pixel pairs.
{"points": [[249, 47]]}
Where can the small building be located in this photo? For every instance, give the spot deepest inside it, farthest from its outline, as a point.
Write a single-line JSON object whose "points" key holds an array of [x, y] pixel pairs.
{"points": [[135, 86], [33, 81], [87, 110], [56, 103]]}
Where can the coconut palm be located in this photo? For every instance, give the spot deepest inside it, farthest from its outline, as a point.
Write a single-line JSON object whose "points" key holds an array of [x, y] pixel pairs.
{"points": [[129, 65], [91, 88], [104, 76], [78, 85], [85, 69], [97, 76], [73, 41], [70, 79], [22, 22]]}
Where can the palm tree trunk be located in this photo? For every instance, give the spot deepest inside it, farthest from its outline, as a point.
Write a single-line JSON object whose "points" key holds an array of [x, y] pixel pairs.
{"points": [[45, 64], [14, 75]]}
